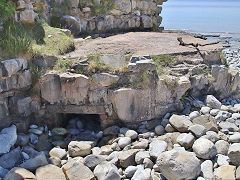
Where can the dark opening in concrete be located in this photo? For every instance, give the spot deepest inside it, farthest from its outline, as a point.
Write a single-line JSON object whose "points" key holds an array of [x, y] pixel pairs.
{"points": [[82, 122]]}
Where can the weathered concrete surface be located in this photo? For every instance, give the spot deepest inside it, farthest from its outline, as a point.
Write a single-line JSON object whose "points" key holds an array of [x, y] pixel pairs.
{"points": [[140, 43]]}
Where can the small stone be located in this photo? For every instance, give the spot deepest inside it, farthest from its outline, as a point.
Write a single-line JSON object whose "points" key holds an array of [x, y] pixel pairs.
{"points": [[159, 130], [181, 123], [76, 170], [148, 163], [186, 140], [92, 161], [113, 130], [157, 147], [106, 171], [127, 158], [222, 160], [106, 150], [139, 157], [124, 141], [129, 171], [205, 110], [229, 126], [234, 154], [55, 161], [236, 116], [35, 131], [22, 139], [225, 172], [79, 148], [194, 114], [142, 174], [25, 156], [33, 126], [204, 148], [59, 131], [212, 136], [222, 147], [238, 173], [18, 173], [198, 130], [212, 102], [50, 172], [235, 138], [222, 116], [143, 144], [214, 112], [169, 128], [132, 134], [207, 169], [33, 138], [58, 152]]}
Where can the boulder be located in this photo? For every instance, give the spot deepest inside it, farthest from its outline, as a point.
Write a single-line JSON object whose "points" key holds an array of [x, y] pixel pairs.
{"points": [[207, 121], [140, 156], [207, 169], [12, 66], [159, 130], [234, 153], [186, 140], [212, 102], [106, 171], [122, 5], [142, 174], [124, 141], [50, 172], [212, 136], [225, 172], [18, 173], [11, 159], [204, 148], [72, 23], [92, 161], [235, 138], [34, 163], [222, 147], [205, 110], [58, 152], [105, 79], [156, 148], [79, 148], [8, 137], [198, 130], [132, 134], [76, 170], [181, 123], [178, 165], [129, 171], [127, 158], [222, 160], [222, 116]]}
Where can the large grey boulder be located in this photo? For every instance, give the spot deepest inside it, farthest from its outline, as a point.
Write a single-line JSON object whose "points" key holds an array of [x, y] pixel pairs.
{"points": [[234, 154], [127, 158], [178, 165], [157, 147], [181, 123], [49, 172], [11, 159], [106, 171], [212, 102], [76, 170], [34, 163], [92, 161], [18, 173], [12, 66], [198, 130], [72, 23], [204, 148], [79, 148], [8, 137]]}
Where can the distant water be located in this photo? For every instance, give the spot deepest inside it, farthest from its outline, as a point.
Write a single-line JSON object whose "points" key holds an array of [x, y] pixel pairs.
{"points": [[203, 16]]}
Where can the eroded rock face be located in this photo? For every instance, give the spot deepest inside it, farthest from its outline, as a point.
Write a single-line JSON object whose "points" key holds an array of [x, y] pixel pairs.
{"points": [[226, 80], [177, 165]]}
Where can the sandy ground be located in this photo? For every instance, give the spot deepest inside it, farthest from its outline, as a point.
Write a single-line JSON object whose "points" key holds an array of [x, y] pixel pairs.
{"points": [[139, 43]]}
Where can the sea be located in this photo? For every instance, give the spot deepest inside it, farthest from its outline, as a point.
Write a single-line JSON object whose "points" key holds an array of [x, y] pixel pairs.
{"points": [[209, 17]]}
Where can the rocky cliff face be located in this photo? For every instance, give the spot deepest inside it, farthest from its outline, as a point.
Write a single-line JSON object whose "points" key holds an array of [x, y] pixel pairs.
{"points": [[86, 16]]}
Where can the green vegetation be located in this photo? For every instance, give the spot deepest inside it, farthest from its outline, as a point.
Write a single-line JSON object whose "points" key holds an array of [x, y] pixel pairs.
{"points": [[185, 96], [59, 10], [55, 43], [62, 65], [96, 8], [141, 83], [7, 10], [162, 61]]}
